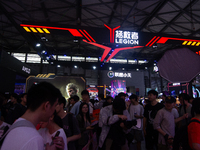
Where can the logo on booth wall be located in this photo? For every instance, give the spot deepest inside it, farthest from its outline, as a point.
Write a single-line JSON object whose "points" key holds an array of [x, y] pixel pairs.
{"points": [[111, 74]]}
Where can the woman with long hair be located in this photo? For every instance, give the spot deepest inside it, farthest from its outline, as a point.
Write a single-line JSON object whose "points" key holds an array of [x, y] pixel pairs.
{"points": [[84, 124], [49, 130]]}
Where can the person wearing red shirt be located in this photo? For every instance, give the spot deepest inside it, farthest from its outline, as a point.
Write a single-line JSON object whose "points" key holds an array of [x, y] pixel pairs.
{"points": [[194, 127]]}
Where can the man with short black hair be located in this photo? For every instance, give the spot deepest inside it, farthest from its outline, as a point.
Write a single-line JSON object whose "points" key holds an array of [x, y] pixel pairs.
{"points": [[85, 98], [41, 102], [164, 123], [150, 111], [70, 124]]}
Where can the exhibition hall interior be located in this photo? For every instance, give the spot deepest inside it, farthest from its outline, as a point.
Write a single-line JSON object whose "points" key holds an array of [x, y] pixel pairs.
{"points": [[111, 48]]}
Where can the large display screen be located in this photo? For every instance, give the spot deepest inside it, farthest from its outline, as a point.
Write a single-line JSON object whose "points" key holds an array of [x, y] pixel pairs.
{"points": [[117, 86], [68, 85]]}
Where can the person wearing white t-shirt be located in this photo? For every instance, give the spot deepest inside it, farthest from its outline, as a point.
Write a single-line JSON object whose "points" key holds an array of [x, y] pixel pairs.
{"points": [[49, 129], [136, 112], [42, 99]]}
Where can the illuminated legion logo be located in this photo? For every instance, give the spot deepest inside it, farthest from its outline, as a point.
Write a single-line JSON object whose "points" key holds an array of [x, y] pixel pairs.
{"points": [[126, 37]]}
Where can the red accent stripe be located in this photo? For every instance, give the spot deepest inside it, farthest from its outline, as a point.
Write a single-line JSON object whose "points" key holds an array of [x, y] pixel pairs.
{"points": [[110, 32], [120, 49], [163, 40], [89, 35], [113, 33], [150, 41], [106, 49], [154, 41], [85, 35], [74, 32]]}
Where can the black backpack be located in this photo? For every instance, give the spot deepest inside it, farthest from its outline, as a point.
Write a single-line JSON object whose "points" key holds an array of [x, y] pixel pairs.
{"points": [[181, 138]]}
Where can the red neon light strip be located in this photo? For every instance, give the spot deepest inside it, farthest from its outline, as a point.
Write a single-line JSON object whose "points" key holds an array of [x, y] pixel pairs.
{"points": [[150, 41], [111, 32], [154, 41], [74, 32], [163, 40], [121, 49], [89, 35], [106, 49], [85, 35]]}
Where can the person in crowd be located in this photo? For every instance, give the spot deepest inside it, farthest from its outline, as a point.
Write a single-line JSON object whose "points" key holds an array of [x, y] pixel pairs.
{"points": [[71, 101], [136, 111], [70, 124], [3, 125], [194, 127], [191, 99], [99, 104], [108, 101], [41, 102], [85, 98], [185, 107], [113, 118], [122, 95], [50, 128], [150, 111], [164, 123], [14, 112], [163, 99], [84, 124], [23, 98], [72, 89]]}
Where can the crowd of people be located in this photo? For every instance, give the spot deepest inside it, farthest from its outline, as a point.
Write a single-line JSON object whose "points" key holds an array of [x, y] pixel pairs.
{"points": [[44, 119]]}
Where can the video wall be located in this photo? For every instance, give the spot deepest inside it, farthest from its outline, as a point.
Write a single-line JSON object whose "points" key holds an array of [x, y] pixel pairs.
{"points": [[68, 85], [118, 86]]}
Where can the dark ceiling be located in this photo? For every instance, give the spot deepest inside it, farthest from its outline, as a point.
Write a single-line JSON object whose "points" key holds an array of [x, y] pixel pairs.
{"points": [[173, 17]]}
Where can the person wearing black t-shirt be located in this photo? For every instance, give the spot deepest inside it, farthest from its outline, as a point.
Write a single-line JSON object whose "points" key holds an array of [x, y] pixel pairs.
{"points": [[150, 111]]}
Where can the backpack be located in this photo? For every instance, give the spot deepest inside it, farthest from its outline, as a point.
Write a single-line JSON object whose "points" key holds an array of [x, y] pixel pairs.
{"points": [[181, 138], [21, 123]]}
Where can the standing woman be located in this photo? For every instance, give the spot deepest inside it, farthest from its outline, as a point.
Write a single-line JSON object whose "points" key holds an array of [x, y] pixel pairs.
{"points": [[84, 124]]}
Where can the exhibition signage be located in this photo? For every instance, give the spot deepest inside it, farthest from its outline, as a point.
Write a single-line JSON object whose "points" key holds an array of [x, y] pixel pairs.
{"points": [[112, 74]]}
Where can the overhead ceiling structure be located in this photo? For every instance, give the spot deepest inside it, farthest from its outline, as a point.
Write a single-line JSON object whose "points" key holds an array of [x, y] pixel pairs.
{"points": [[66, 27]]}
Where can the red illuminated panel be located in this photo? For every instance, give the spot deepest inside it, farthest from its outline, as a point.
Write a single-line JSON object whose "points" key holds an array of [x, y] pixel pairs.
{"points": [[150, 41], [121, 49], [163, 40], [74, 32], [89, 35], [85, 35], [154, 41], [112, 32], [106, 49]]}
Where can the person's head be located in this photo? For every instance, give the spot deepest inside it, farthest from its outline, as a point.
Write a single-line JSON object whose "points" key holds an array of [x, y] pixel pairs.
{"points": [[122, 95], [119, 105], [100, 97], [163, 97], [24, 98], [184, 98], [169, 102], [14, 98], [196, 105], [152, 95], [109, 99], [84, 111], [133, 98], [74, 99], [71, 89], [53, 119], [43, 97], [191, 99], [85, 96], [61, 104]]}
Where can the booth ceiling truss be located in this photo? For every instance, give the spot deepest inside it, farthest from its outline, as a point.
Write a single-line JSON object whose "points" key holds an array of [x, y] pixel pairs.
{"points": [[178, 18]]}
